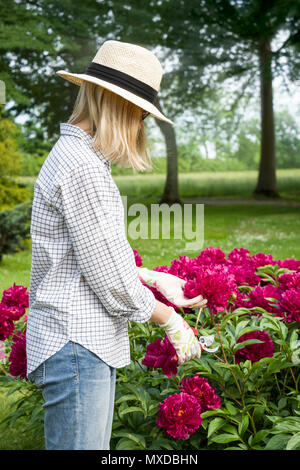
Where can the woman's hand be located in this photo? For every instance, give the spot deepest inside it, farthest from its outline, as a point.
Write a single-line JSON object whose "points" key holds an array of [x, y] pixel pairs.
{"points": [[171, 287], [182, 337]]}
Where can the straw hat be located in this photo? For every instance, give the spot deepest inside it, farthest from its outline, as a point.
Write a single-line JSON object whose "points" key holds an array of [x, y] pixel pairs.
{"points": [[128, 70]]}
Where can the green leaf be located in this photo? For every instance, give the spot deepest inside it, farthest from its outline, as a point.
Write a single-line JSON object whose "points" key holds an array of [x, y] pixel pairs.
{"points": [[240, 327], [232, 409], [125, 398], [243, 426], [157, 444], [282, 403], [138, 438], [277, 442], [214, 425], [208, 414], [127, 444], [131, 409], [259, 436], [224, 438], [246, 343], [294, 442]]}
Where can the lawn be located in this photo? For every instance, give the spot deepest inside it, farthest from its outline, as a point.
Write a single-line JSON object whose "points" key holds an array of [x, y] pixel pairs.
{"points": [[229, 184]]}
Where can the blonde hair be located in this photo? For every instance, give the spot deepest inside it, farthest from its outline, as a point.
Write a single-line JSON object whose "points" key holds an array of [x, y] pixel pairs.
{"points": [[114, 125]]}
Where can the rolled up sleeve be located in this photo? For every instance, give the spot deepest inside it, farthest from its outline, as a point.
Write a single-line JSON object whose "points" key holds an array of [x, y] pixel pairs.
{"points": [[105, 258]]}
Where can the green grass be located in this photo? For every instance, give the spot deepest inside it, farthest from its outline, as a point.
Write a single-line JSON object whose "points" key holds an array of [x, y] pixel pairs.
{"points": [[230, 184]]}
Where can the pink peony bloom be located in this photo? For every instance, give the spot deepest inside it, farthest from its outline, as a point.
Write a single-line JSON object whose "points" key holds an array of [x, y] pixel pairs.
{"points": [[200, 388], [241, 300], [180, 415], [255, 352], [138, 258], [289, 263], [16, 296], [261, 259], [161, 355], [244, 274], [239, 256], [243, 267], [290, 305], [214, 283], [289, 281], [11, 312], [17, 358], [7, 325], [184, 267], [211, 255], [258, 295]]}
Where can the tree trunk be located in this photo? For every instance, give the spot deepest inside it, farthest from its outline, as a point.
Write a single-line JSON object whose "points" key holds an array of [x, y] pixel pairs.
{"points": [[170, 194], [266, 184]]}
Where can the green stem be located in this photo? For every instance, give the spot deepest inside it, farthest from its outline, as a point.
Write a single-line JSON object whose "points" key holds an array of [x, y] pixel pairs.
{"points": [[277, 383], [136, 360], [252, 422], [219, 336], [229, 394], [176, 380]]}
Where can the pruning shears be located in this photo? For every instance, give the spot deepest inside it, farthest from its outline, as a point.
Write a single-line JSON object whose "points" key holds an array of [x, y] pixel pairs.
{"points": [[206, 341]]}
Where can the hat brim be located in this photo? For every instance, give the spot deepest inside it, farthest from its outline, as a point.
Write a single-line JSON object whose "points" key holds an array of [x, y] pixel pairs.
{"points": [[78, 78]]}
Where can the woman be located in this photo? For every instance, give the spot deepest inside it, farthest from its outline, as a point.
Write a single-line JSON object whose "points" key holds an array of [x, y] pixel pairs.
{"points": [[84, 284]]}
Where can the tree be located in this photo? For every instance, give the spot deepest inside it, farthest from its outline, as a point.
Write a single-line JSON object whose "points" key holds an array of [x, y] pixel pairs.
{"points": [[38, 37], [235, 38], [10, 165]]}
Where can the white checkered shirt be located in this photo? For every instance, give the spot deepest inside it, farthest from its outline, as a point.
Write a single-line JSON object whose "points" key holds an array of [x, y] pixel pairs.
{"points": [[84, 284]]}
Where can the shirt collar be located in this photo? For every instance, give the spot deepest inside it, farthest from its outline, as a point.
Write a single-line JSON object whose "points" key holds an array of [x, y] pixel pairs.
{"points": [[70, 129]]}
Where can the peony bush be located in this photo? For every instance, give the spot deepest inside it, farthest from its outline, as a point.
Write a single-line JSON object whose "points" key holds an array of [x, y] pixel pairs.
{"points": [[243, 396]]}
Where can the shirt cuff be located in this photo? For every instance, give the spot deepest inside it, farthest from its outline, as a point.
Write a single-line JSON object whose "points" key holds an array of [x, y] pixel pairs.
{"points": [[145, 314]]}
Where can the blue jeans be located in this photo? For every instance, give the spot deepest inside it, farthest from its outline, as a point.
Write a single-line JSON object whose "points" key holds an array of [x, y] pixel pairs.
{"points": [[78, 390]]}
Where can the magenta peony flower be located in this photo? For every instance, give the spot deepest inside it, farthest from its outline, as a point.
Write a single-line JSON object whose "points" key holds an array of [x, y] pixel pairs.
{"points": [[200, 388], [16, 296], [7, 325], [161, 355], [258, 295], [261, 259], [289, 281], [255, 352], [241, 300], [289, 263], [138, 258], [184, 267], [214, 283], [244, 274], [180, 415], [12, 312], [17, 358], [239, 256], [290, 305], [211, 255]]}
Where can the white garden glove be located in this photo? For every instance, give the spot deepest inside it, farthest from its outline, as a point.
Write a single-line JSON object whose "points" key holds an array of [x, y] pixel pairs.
{"points": [[171, 287], [182, 337]]}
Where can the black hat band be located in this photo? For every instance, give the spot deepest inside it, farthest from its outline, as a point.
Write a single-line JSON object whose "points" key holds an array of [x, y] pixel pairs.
{"points": [[122, 80]]}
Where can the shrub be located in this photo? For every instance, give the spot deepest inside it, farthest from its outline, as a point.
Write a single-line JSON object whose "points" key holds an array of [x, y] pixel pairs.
{"points": [[14, 228], [243, 396]]}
